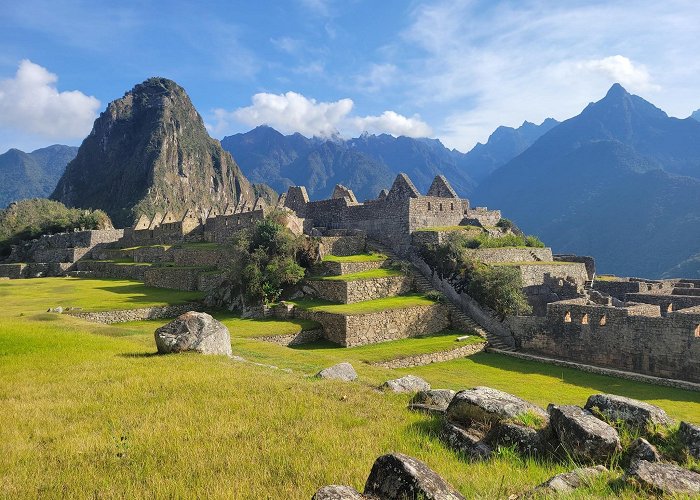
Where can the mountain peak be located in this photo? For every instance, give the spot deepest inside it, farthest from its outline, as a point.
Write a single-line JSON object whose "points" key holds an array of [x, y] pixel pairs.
{"points": [[616, 90]]}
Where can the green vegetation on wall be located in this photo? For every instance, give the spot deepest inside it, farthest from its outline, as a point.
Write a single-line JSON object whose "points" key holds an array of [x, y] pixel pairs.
{"points": [[497, 287], [268, 257], [29, 219]]}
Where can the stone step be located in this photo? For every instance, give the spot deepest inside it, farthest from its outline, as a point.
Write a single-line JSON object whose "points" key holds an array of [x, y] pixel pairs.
{"points": [[424, 285]]}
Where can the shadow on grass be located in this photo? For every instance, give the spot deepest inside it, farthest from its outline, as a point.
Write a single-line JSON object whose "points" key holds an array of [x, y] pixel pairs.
{"points": [[141, 293], [318, 345], [601, 383], [132, 355]]}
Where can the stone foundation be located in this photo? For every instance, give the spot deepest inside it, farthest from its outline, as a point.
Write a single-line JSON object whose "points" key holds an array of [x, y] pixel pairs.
{"points": [[349, 292], [303, 337], [144, 313], [432, 357], [391, 324], [339, 268], [177, 278]]}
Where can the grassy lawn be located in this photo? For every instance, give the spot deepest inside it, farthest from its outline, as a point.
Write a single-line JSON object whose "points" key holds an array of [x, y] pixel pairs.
{"points": [[362, 257], [125, 262], [201, 245], [89, 411], [37, 295], [164, 247], [607, 277], [363, 275], [368, 306]]}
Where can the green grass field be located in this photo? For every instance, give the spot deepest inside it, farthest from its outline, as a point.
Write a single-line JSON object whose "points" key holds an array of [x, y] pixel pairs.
{"points": [[362, 257], [366, 307], [88, 410], [363, 275]]}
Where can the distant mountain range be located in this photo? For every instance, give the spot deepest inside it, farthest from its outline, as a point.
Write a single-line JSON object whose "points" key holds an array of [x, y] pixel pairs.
{"points": [[369, 163], [32, 175], [620, 182]]}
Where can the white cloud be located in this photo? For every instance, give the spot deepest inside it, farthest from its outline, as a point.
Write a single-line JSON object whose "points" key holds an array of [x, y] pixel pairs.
{"points": [[377, 78], [469, 66], [31, 102], [393, 123], [620, 69], [289, 113], [292, 112]]}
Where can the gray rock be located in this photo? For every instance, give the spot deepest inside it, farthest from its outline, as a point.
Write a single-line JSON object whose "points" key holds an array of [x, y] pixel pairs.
{"points": [[665, 478], [486, 405], [433, 401], [642, 449], [634, 413], [409, 383], [336, 492], [468, 441], [194, 331], [690, 435], [398, 476], [569, 481], [527, 440], [582, 435], [341, 371], [58, 310]]}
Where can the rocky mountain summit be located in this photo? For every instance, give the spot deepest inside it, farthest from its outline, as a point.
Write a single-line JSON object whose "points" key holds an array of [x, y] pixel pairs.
{"points": [[149, 152]]}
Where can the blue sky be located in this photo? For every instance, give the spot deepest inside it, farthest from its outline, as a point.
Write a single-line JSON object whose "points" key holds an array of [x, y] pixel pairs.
{"points": [[454, 70]]}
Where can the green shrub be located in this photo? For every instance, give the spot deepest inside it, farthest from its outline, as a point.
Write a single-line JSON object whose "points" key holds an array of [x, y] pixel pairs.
{"points": [[29, 219], [497, 287], [267, 258]]}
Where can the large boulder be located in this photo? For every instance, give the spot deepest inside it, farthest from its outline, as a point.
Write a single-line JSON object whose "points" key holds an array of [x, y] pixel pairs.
{"points": [[665, 478], [641, 449], [336, 492], [486, 405], [467, 441], [408, 383], [690, 435], [342, 371], [194, 331], [582, 435], [433, 401], [630, 411], [567, 482], [527, 440], [398, 476]]}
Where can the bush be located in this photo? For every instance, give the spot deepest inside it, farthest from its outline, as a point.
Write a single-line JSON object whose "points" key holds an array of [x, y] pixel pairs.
{"points": [[498, 287], [267, 258], [29, 219]]}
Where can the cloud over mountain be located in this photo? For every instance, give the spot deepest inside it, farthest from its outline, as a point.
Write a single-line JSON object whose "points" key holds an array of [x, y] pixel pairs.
{"points": [[31, 102], [293, 112]]}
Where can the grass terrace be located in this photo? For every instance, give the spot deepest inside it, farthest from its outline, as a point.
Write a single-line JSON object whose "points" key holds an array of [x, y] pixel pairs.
{"points": [[608, 277], [446, 229], [532, 263], [204, 245], [366, 307], [124, 262], [364, 275], [363, 257], [164, 247], [88, 410]]}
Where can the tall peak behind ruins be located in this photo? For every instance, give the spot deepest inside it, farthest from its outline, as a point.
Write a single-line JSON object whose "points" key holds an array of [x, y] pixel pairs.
{"points": [[149, 152]]}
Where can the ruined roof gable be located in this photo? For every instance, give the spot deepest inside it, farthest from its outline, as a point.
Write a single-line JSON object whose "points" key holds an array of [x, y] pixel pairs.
{"points": [[341, 192], [142, 223], [403, 188], [441, 188]]}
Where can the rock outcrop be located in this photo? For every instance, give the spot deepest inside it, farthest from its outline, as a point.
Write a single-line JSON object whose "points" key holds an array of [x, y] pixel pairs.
{"points": [[408, 383], [194, 331], [582, 435], [341, 371], [432, 401], [569, 481], [630, 411], [665, 478], [397, 476], [486, 405], [149, 152], [690, 435], [337, 492]]}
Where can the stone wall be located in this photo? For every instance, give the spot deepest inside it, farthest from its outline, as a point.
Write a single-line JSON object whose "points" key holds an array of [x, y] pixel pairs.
{"points": [[349, 292], [391, 324], [113, 270], [485, 317], [619, 289], [13, 271], [210, 280], [198, 256], [589, 262], [177, 278], [339, 268], [303, 337], [432, 357], [141, 314], [495, 255], [667, 302], [342, 246], [632, 338], [482, 216]]}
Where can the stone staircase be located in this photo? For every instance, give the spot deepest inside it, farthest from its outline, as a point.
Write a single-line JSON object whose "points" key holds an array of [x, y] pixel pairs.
{"points": [[459, 317]]}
